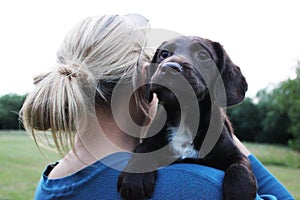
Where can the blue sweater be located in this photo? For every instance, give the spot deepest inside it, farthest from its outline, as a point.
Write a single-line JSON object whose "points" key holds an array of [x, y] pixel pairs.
{"points": [[178, 181]]}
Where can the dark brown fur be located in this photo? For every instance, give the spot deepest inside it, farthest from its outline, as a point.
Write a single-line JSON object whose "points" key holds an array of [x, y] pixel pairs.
{"points": [[195, 59]]}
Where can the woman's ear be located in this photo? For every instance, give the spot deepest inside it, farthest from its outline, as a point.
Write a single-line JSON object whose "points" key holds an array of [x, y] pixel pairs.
{"points": [[234, 82]]}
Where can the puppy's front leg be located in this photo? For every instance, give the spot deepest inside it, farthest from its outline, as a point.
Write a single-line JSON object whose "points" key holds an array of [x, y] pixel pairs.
{"points": [[138, 178], [239, 181], [136, 186], [137, 181]]}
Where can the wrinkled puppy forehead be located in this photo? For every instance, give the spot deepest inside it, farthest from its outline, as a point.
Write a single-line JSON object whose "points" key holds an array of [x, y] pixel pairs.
{"points": [[178, 45], [188, 45]]}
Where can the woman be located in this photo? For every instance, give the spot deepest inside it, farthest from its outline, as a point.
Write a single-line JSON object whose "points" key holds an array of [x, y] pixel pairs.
{"points": [[77, 104]]}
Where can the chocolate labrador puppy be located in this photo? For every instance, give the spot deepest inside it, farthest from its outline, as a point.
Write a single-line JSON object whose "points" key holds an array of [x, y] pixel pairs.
{"points": [[214, 82]]}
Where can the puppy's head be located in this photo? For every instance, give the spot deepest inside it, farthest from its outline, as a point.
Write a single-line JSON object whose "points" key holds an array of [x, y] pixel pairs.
{"points": [[203, 64]]}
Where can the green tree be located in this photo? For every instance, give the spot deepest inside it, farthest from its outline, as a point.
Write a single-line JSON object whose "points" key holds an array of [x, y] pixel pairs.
{"points": [[274, 122], [10, 106], [245, 119], [280, 109], [288, 101]]}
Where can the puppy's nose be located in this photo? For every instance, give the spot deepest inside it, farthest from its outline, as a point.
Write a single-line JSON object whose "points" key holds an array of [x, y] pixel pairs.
{"points": [[174, 66]]}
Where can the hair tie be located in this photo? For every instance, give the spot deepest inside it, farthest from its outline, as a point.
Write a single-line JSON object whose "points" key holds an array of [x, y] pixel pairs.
{"points": [[74, 71], [70, 71]]}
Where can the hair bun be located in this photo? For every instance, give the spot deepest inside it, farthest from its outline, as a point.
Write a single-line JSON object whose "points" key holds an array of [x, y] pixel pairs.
{"points": [[74, 71]]}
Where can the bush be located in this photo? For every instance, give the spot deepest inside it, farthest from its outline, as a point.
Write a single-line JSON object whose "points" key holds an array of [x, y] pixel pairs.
{"points": [[10, 106], [244, 119], [295, 144]]}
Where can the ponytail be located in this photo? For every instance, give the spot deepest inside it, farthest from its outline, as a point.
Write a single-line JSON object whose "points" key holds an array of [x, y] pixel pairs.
{"points": [[56, 104]]}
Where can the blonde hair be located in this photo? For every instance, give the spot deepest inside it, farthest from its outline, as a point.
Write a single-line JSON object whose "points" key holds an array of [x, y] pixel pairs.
{"points": [[94, 54]]}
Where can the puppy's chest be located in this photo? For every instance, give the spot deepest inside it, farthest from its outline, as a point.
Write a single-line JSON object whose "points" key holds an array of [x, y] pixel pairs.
{"points": [[181, 142]]}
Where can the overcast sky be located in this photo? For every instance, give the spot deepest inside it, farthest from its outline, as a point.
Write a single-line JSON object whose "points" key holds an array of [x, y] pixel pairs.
{"points": [[262, 37]]}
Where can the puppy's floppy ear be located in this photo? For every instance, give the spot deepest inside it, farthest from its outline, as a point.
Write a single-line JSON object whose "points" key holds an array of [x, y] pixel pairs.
{"points": [[234, 82]]}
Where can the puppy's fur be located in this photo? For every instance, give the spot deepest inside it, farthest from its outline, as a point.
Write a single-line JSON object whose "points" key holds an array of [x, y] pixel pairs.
{"points": [[202, 63]]}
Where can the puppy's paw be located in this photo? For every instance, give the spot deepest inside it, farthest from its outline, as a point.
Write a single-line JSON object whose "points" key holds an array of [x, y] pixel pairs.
{"points": [[239, 183], [136, 186]]}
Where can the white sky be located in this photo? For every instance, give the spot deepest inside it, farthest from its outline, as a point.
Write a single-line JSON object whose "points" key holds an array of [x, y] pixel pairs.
{"points": [[261, 36]]}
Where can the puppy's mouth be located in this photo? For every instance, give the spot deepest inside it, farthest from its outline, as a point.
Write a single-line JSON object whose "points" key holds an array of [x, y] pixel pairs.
{"points": [[168, 74], [172, 78], [167, 83], [163, 93]]}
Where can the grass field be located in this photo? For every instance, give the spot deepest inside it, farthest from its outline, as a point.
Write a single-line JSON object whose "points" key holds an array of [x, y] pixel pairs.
{"points": [[282, 162], [21, 165]]}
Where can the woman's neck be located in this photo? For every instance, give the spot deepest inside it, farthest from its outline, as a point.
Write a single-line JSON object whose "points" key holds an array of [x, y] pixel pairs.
{"points": [[104, 138], [98, 141]]}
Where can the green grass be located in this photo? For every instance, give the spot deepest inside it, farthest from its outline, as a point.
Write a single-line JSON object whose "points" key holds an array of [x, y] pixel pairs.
{"points": [[289, 177], [283, 162], [275, 155], [21, 165]]}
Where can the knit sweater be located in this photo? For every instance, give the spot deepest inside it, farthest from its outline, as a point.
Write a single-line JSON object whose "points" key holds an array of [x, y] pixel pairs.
{"points": [[177, 181]]}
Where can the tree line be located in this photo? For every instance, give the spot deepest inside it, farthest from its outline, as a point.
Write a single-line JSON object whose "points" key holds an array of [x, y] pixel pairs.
{"points": [[273, 117], [10, 105]]}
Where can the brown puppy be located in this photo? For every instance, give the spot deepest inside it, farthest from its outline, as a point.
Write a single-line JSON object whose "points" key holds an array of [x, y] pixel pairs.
{"points": [[215, 82]]}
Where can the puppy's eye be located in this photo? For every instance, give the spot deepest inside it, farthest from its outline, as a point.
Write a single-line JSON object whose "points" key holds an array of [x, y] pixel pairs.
{"points": [[164, 54], [203, 55]]}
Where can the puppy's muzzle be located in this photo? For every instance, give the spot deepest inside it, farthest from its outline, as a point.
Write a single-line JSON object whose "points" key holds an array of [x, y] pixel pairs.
{"points": [[173, 67]]}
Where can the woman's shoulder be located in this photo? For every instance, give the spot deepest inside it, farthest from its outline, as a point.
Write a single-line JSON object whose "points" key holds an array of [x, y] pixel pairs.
{"points": [[176, 181], [193, 171], [189, 181]]}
